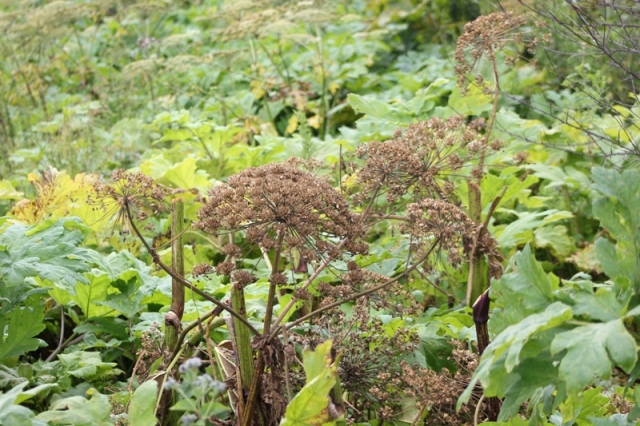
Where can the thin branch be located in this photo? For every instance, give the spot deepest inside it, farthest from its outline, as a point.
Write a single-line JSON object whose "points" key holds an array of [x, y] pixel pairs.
{"points": [[357, 295]]}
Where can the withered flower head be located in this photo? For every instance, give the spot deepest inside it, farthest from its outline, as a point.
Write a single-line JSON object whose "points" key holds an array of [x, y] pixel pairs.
{"points": [[132, 192], [442, 223], [485, 36], [202, 269], [420, 158], [232, 250], [243, 277], [280, 201], [225, 268], [278, 279]]}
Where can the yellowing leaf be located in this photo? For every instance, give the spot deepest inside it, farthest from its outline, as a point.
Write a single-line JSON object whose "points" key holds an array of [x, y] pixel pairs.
{"points": [[314, 121], [8, 192], [58, 195], [311, 405], [292, 125]]}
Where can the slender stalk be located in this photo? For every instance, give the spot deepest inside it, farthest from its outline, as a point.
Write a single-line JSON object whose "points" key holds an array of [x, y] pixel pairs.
{"points": [[476, 280], [492, 117], [304, 286], [182, 280], [213, 313]]}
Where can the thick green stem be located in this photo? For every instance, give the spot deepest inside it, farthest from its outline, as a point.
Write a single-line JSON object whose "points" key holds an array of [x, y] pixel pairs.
{"points": [[476, 282], [243, 345], [174, 317]]}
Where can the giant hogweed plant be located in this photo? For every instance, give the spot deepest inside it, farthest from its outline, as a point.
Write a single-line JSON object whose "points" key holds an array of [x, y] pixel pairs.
{"points": [[312, 240]]}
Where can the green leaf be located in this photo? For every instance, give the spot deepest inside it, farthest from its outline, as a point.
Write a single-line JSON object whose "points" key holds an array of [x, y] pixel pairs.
{"points": [[79, 411], [8, 192], [513, 339], [143, 403], [315, 362], [474, 102], [87, 365], [186, 176], [603, 305], [19, 328], [13, 414], [48, 250], [128, 301], [613, 420], [556, 238], [592, 351], [87, 296], [523, 291], [618, 214], [311, 405], [30, 393], [368, 105], [436, 351]]}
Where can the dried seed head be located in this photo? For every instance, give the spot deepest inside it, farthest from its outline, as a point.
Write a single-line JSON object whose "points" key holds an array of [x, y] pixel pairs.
{"points": [[442, 223], [202, 269], [243, 277], [225, 268], [484, 37], [420, 158], [280, 200]]}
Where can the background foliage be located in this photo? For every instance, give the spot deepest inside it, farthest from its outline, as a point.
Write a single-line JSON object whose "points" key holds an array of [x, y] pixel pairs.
{"points": [[193, 95]]}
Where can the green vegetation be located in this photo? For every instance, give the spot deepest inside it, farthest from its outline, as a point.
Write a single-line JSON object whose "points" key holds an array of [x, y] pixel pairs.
{"points": [[281, 212]]}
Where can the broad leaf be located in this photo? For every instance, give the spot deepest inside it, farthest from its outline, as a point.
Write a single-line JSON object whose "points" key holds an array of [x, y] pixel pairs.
{"points": [[592, 351], [48, 250], [87, 365], [618, 214], [79, 411], [19, 328], [311, 405], [13, 414], [143, 403]]}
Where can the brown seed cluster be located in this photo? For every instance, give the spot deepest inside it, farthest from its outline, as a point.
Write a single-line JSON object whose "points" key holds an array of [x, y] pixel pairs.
{"points": [[484, 37], [202, 269], [439, 391], [279, 202], [421, 158], [442, 223], [134, 191]]}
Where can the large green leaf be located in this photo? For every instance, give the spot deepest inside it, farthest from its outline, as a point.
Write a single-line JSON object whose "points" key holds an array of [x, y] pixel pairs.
{"points": [[618, 214], [143, 403], [87, 365], [13, 414], [128, 301], [79, 411], [49, 250], [19, 328], [524, 290], [592, 351], [311, 405]]}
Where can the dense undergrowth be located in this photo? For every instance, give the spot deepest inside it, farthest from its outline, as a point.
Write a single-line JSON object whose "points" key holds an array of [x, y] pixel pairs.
{"points": [[277, 212]]}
